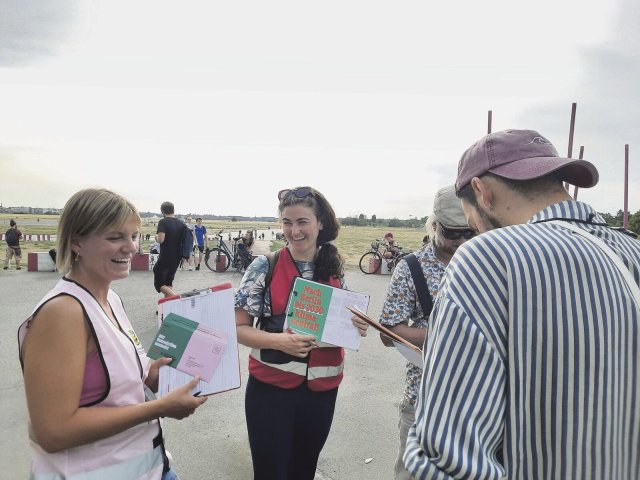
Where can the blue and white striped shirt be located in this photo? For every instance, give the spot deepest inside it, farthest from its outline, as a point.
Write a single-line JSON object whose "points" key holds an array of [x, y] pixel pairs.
{"points": [[532, 367]]}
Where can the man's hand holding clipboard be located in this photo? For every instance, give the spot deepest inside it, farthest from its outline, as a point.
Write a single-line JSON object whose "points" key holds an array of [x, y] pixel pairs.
{"points": [[407, 349]]}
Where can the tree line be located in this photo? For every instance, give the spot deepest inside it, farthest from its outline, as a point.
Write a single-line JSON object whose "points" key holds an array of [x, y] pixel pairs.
{"points": [[362, 221], [616, 221]]}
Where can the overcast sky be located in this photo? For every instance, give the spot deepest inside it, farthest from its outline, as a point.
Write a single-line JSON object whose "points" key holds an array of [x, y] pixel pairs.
{"points": [[218, 105]]}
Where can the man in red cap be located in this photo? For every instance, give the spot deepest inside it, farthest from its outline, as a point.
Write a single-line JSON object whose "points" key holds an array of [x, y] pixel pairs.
{"points": [[532, 365]]}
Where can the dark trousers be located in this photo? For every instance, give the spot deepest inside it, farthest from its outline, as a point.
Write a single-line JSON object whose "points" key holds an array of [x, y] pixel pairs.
{"points": [[287, 429]]}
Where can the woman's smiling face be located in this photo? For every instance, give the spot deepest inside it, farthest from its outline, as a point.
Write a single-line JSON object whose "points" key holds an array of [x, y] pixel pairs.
{"points": [[301, 228], [107, 256]]}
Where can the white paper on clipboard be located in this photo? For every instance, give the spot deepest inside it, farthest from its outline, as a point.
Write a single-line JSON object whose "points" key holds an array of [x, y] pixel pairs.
{"points": [[408, 350], [212, 308], [410, 354]]}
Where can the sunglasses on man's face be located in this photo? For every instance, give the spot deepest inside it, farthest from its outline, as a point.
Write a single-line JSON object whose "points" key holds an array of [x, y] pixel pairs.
{"points": [[451, 234], [300, 192]]}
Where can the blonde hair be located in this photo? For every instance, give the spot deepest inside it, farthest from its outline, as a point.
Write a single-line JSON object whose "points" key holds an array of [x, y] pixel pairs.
{"points": [[429, 227], [89, 211]]}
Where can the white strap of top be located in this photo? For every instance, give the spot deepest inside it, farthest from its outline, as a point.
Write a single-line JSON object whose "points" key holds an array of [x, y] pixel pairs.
{"points": [[633, 286]]}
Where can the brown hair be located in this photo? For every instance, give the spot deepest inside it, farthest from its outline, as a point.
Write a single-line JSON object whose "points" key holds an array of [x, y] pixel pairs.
{"points": [[328, 261]]}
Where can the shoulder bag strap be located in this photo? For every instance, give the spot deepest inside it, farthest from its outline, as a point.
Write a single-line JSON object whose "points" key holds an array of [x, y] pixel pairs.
{"points": [[272, 259], [633, 286], [421, 284]]}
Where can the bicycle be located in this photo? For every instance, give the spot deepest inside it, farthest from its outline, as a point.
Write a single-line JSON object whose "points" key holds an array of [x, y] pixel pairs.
{"points": [[220, 258], [371, 261]]}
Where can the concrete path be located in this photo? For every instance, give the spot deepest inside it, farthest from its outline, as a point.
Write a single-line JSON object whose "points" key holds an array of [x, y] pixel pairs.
{"points": [[260, 247], [212, 444]]}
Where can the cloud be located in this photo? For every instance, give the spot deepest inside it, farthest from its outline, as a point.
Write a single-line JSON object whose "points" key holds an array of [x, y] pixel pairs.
{"points": [[31, 31], [608, 111]]}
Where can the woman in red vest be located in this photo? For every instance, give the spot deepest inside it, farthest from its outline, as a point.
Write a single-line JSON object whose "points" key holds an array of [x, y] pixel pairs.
{"points": [[293, 383]]}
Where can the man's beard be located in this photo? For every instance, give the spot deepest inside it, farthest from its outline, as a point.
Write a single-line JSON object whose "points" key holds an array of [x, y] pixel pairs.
{"points": [[489, 220]]}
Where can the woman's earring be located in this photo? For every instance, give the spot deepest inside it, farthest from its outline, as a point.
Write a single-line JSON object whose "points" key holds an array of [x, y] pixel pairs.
{"points": [[77, 256]]}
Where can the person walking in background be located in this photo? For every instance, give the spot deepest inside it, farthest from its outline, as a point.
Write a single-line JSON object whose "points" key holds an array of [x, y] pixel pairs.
{"points": [[409, 300], [531, 361], [86, 374], [191, 260], [169, 232], [293, 383], [12, 238], [201, 240]]}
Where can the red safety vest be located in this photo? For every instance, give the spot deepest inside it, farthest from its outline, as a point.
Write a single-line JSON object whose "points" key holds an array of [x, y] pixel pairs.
{"points": [[322, 368]]}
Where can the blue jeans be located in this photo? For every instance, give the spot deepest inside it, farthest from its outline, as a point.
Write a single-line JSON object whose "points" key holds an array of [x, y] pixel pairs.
{"points": [[170, 475]]}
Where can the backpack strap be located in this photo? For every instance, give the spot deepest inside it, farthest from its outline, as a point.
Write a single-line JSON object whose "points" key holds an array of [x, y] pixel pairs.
{"points": [[421, 284], [272, 258]]}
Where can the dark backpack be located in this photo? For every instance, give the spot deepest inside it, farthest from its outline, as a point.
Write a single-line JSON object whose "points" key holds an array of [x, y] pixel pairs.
{"points": [[186, 246], [11, 237]]}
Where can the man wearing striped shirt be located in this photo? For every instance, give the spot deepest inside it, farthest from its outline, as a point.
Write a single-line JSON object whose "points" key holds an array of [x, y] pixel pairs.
{"points": [[532, 367]]}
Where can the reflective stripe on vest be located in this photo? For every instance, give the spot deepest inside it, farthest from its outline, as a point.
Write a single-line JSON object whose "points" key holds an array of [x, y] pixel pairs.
{"points": [[133, 454], [326, 364], [298, 368], [324, 372]]}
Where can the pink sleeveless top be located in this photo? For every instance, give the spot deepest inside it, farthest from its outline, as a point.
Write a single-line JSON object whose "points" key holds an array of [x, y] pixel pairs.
{"points": [[94, 385]]}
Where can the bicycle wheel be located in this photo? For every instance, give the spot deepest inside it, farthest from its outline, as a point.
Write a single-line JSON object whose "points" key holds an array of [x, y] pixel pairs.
{"points": [[217, 260], [370, 262]]}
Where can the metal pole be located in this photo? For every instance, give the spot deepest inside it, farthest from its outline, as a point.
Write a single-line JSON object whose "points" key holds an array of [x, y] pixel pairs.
{"points": [[571, 128], [489, 121], [575, 189], [625, 213]]}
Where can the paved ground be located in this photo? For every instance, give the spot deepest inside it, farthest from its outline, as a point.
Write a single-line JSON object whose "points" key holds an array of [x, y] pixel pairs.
{"points": [[213, 442]]}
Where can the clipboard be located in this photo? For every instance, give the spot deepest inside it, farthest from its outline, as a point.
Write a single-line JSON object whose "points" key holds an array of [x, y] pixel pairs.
{"points": [[318, 309], [213, 308], [190, 293], [407, 349]]}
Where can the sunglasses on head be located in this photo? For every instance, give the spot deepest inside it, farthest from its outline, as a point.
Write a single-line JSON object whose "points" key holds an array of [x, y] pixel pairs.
{"points": [[299, 192], [455, 234]]}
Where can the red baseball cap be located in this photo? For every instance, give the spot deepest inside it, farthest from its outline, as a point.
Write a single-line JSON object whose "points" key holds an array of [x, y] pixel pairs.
{"points": [[521, 155]]}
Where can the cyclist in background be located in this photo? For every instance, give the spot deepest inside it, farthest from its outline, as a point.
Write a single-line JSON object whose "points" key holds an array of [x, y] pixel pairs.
{"points": [[392, 249], [244, 246]]}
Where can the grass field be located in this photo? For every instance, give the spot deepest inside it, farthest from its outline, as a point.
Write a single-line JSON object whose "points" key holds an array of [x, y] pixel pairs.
{"points": [[352, 242]]}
